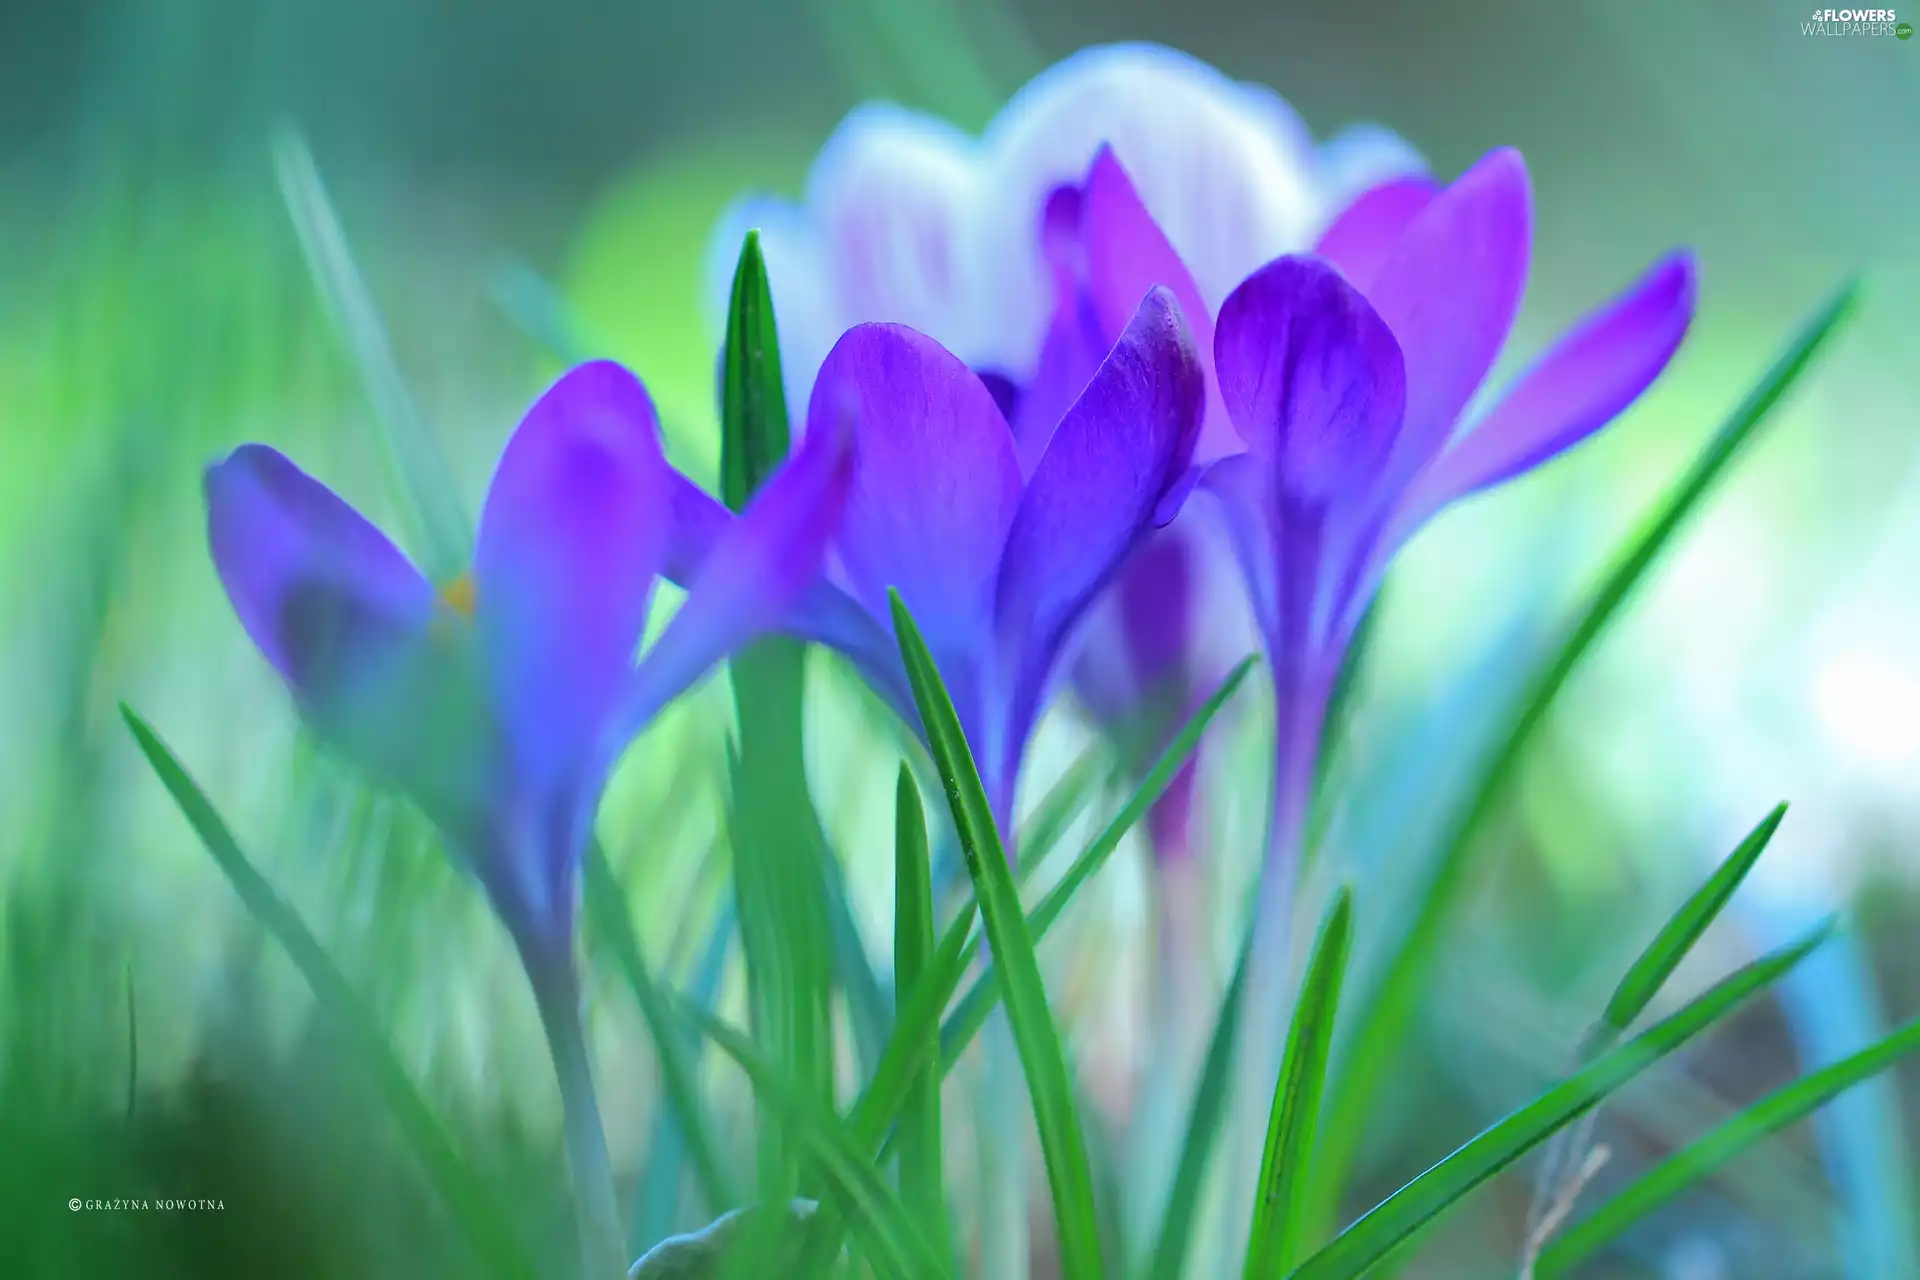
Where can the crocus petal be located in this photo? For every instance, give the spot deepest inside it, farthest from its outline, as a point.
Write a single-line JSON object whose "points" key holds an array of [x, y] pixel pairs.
{"points": [[935, 478], [823, 614], [1363, 236], [1226, 170], [1359, 158], [1139, 634], [1580, 385], [1124, 442], [890, 191], [1242, 490], [1449, 291], [573, 533], [756, 574], [351, 625], [1311, 377], [1128, 254]]}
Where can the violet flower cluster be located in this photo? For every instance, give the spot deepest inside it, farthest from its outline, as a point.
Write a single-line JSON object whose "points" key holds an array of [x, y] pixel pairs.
{"points": [[1338, 383]]}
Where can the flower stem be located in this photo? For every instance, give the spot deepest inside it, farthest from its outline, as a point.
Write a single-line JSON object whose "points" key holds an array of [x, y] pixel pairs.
{"points": [[556, 991]]}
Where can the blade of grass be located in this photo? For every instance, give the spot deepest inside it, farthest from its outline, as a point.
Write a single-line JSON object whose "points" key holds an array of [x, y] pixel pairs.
{"points": [[1643, 980], [913, 944], [1049, 1088], [1210, 1100], [1676, 938], [1058, 808], [609, 917], [1387, 1007], [780, 881], [971, 1013], [496, 1248], [656, 1197], [1687, 1167], [1278, 1216], [425, 495], [528, 299], [886, 1229], [879, 1103], [1419, 1203]]}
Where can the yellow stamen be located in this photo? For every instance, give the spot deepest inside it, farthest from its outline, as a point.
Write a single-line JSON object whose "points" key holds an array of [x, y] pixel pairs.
{"points": [[459, 595]]}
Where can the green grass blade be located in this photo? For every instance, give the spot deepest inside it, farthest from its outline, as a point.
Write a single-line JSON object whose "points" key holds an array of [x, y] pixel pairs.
{"points": [[753, 401], [1648, 973], [780, 876], [1210, 1098], [1678, 1172], [1058, 808], [425, 495], [971, 1015], [657, 1194], [1049, 1087], [496, 1248], [1280, 1212], [875, 1111], [1388, 1005], [608, 915], [1676, 938], [886, 1229], [528, 299], [1415, 1206], [913, 945]]}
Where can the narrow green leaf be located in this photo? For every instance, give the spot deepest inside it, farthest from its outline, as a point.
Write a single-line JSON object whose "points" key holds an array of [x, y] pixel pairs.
{"points": [[887, 1230], [1387, 1006], [426, 498], [1648, 973], [496, 1249], [1279, 1213], [753, 401], [1676, 938], [1682, 1170], [1059, 807], [1413, 1207], [657, 1195], [607, 913], [528, 299], [879, 1103], [1049, 1087], [972, 1012], [1210, 1099], [913, 942]]}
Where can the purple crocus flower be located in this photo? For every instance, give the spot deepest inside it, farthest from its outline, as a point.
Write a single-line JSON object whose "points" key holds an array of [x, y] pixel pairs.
{"points": [[977, 242], [997, 556], [1345, 377], [500, 702]]}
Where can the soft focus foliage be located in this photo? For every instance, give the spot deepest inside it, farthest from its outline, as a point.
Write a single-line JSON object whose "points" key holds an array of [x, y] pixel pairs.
{"points": [[323, 1038]]}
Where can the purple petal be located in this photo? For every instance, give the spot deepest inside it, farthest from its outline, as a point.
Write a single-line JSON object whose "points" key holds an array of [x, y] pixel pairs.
{"points": [[1075, 343], [1243, 490], [756, 575], [1449, 291], [1363, 236], [1580, 385], [824, 614], [574, 530], [1124, 442], [350, 624], [1227, 170], [891, 190], [935, 479], [1311, 377], [1126, 255]]}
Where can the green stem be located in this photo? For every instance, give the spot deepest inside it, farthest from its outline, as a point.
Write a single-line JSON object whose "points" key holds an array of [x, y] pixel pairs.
{"points": [[556, 991]]}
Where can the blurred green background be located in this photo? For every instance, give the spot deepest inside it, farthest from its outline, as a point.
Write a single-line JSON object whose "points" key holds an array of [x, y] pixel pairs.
{"points": [[155, 310]]}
